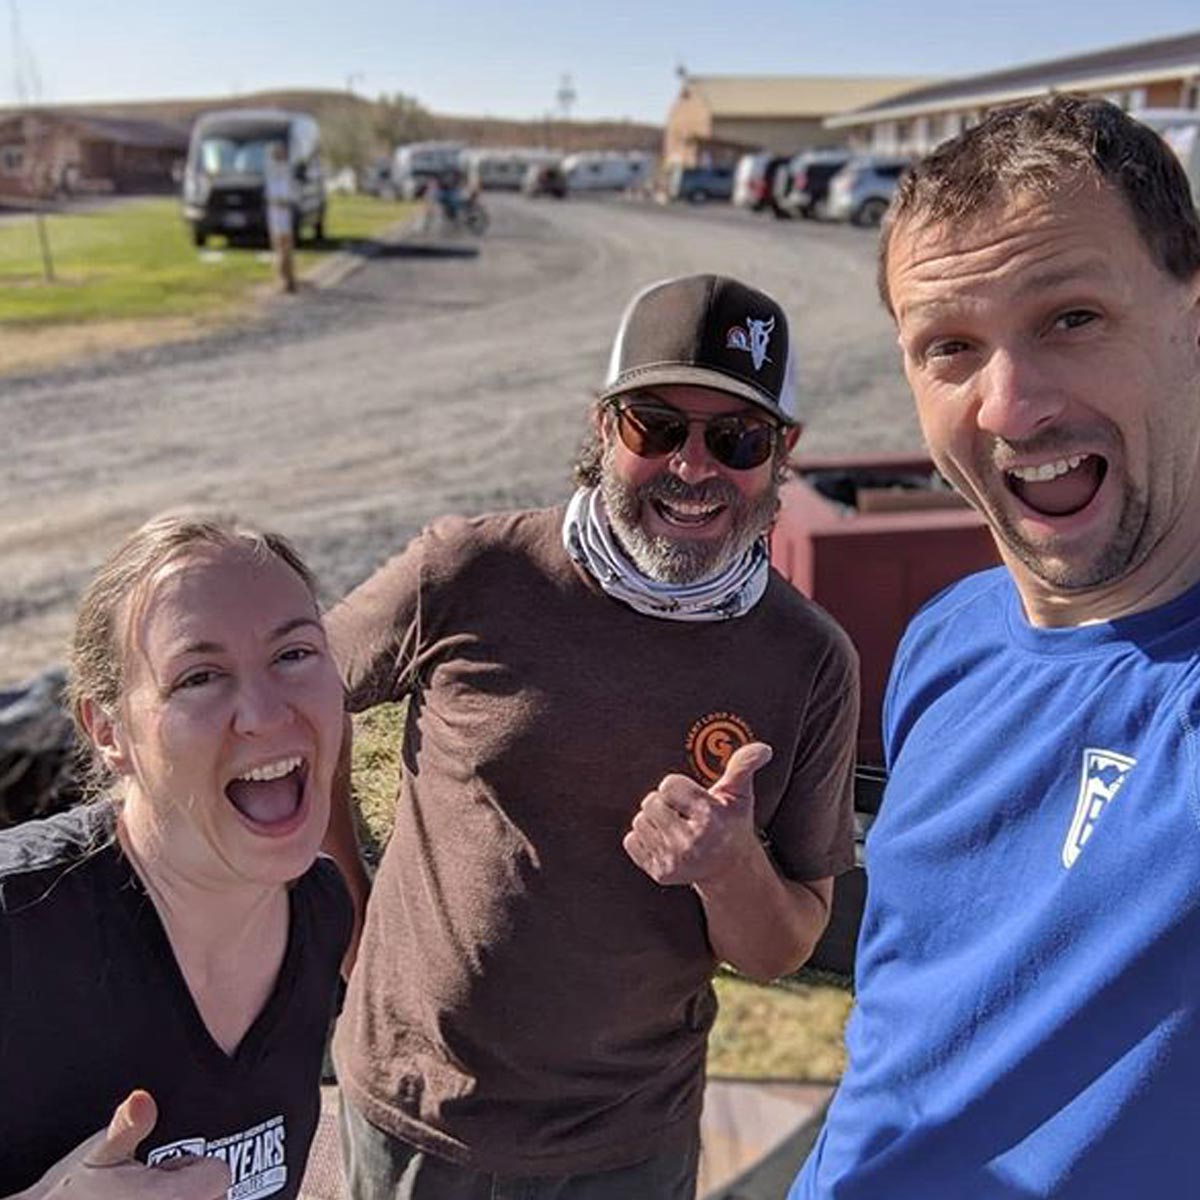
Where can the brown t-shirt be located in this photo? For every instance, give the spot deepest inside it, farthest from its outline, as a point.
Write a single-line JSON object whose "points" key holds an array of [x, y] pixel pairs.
{"points": [[526, 1000]]}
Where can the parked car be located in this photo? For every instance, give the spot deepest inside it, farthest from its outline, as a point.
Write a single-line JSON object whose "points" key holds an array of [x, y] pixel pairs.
{"points": [[1180, 129], [861, 191], [802, 188], [415, 165], [697, 185], [545, 179], [226, 171], [605, 171], [754, 180]]}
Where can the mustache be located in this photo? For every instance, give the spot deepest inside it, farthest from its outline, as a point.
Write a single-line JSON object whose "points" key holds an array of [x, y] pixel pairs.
{"points": [[1005, 454], [671, 487]]}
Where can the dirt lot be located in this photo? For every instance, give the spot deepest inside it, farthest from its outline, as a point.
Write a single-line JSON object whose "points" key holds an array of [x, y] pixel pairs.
{"points": [[425, 383]]}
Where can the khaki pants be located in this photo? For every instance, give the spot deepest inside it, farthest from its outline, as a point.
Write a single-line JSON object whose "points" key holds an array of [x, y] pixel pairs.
{"points": [[279, 226], [381, 1167]]}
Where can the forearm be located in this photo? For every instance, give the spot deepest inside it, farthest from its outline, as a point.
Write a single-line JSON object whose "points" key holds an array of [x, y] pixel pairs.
{"points": [[759, 922]]}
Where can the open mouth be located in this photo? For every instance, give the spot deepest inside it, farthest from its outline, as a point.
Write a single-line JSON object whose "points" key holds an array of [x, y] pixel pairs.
{"points": [[270, 794], [687, 514], [1059, 488]]}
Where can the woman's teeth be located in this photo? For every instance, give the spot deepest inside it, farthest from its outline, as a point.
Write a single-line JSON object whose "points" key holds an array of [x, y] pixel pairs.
{"points": [[1047, 471], [269, 771]]}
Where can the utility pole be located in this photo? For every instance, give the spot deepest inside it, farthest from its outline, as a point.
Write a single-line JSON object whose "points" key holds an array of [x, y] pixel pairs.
{"points": [[566, 101], [22, 85], [566, 97]]}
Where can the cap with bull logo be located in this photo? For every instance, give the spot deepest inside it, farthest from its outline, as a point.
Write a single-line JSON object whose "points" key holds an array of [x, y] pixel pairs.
{"points": [[707, 331]]}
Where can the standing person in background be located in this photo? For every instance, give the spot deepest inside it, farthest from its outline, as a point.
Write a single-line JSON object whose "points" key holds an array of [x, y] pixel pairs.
{"points": [[279, 193], [1028, 1012], [170, 952], [627, 758]]}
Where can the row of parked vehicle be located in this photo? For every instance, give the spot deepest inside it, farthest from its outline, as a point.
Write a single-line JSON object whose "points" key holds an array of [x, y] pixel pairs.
{"points": [[834, 185], [838, 185], [537, 172]]}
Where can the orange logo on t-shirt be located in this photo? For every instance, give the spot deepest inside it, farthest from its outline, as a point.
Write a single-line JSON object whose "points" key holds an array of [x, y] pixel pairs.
{"points": [[711, 742]]}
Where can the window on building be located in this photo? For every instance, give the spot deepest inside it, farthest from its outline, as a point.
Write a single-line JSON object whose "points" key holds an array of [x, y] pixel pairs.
{"points": [[1191, 95], [12, 160]]}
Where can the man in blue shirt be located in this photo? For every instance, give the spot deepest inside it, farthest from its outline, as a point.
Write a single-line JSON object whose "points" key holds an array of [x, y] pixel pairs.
{"points": [[1028, 1017]]}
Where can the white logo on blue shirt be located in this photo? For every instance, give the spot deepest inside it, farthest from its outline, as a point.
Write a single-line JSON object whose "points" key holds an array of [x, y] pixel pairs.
{"points": [[1103, 773]]}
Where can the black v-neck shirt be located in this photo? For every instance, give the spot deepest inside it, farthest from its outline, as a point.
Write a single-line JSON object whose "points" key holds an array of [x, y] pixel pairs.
{"points": [[93, 1004]]}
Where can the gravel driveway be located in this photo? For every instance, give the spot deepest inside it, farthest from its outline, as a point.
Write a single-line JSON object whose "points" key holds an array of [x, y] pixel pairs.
{"points": [[425, 383]]}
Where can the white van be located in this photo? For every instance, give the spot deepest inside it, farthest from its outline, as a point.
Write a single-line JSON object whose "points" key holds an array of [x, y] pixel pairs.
{"points": [[605, 171], [1180, 129], [414, 165]]}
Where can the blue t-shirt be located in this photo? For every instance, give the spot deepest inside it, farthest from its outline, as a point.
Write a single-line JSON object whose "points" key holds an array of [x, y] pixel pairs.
{"points": [[1029, 963]]}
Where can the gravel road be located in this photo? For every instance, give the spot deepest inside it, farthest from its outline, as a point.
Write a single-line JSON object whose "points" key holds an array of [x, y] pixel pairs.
{"points": [[425, 383]]}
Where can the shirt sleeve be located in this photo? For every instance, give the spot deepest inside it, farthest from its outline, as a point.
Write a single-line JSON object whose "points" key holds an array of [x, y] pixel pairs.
{"points": [[811, 835], [375, 631], [381, 630]]}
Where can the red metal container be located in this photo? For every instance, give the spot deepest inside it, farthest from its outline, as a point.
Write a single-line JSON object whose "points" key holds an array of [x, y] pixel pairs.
{"points": [[894, 536]]}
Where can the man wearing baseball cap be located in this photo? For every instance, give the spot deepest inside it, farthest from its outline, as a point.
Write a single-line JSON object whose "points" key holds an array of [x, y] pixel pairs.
{"points": [[627, 757]]}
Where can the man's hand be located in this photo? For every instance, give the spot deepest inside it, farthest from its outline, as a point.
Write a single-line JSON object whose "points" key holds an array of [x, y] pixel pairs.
{"points": [[103, 1167], [683, 834]]}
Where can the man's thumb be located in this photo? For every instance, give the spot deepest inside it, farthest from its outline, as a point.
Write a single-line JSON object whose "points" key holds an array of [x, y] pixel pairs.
{"points": [[133, 1121], [737, 782]]}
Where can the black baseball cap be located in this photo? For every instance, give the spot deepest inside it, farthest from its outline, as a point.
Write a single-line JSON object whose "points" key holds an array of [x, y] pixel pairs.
{"points": [[708, 331]]}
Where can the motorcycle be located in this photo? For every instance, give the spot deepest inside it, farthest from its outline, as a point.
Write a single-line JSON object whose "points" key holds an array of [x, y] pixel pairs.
{"points": [[465, 214]]}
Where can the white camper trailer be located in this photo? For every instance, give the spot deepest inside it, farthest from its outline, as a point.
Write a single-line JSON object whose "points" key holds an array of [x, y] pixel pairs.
{"points": [[605, 171]]}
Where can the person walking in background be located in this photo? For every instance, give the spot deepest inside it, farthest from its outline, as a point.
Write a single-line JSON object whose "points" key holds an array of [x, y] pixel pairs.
{"points": [[627, 758], [1028, 1013], [279, 192]]}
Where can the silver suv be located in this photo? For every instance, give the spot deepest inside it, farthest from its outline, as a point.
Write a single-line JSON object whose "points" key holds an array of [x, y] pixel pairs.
{"points": [[861, 190]]}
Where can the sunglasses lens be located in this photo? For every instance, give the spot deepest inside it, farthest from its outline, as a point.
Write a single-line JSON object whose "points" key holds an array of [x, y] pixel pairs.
{"points": [[739, 443], [653, 430], [650, 432]]}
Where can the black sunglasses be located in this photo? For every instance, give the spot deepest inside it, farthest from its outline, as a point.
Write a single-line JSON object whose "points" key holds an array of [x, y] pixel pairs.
{"points": [[652, 429]]}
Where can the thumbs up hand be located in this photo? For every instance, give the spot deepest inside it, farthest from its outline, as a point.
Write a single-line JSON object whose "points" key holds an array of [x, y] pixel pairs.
{"points": [[104, 1167], [684, 834]]}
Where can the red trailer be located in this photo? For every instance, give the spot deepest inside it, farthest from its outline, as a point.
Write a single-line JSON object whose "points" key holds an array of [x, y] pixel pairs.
{"points": [[870, 540]]}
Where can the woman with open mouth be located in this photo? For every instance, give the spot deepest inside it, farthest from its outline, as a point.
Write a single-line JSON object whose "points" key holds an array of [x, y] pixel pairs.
{"points": [[169, 953]]}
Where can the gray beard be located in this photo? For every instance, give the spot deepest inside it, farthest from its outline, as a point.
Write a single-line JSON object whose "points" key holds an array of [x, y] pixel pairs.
{"points": [[683, 560]]}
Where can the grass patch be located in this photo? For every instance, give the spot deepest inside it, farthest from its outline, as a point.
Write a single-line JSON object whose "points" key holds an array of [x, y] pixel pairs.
{"points": [[791, 1030], [136, 261]]}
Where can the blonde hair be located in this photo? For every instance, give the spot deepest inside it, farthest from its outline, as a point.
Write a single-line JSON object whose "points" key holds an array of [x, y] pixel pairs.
{"points": [[103, 619]]}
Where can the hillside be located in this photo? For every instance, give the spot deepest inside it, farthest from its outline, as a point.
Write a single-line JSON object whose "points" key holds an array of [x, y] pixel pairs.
{"points": [[335, 109]]}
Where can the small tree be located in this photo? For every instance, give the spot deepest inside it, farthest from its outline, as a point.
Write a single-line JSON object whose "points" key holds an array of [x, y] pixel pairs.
{"points": [[399, 119], [348, 137]]}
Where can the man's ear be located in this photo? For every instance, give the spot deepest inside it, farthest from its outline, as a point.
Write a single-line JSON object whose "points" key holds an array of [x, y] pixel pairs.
{"points": [[601, 424], [791, 436], [106, 735]]}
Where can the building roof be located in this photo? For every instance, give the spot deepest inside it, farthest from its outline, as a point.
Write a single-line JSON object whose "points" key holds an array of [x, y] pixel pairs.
{"points": [[794, 95], [1116, 68], [123, 130]]}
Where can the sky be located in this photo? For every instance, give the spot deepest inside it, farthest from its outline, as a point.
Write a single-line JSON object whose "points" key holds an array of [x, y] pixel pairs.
{"points": [[480, 58]]}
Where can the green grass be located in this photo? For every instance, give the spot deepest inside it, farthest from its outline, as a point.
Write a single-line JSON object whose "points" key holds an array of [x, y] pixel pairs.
{"points": [[791, 1030], [137, 261]]}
